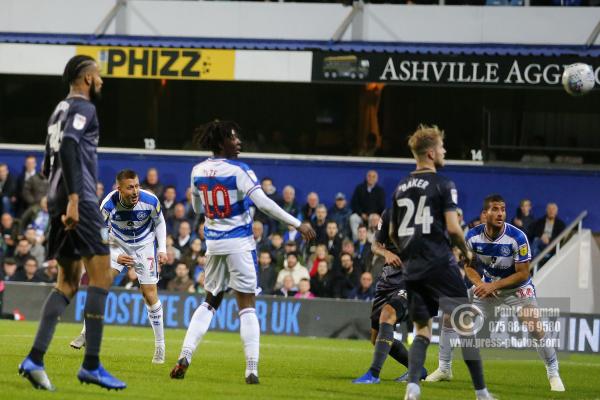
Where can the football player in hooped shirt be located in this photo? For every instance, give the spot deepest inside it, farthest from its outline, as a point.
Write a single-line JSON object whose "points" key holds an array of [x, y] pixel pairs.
{"points": [[138, 236], [77, 234], [503, 251], [225, 188]]}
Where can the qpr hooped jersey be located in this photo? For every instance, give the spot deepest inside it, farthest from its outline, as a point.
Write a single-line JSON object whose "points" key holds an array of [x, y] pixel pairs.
{"points": [[223, 187], [498, 257], [132, 227]]}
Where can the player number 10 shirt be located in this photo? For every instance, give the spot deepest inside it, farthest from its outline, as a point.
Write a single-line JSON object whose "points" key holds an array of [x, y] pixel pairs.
{"points": [[223, 187]]}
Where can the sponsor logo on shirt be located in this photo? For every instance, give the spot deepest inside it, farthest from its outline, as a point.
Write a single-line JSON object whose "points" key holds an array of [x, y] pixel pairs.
{"points": [[523, 250]]}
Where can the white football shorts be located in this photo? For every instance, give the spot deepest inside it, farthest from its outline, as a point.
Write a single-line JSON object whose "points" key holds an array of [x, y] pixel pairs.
{"points": [[236, 271], [145, 266], [522, 296]]}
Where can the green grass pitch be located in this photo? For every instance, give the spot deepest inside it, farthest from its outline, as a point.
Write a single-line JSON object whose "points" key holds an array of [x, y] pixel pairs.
{"points": [[290, 368]]}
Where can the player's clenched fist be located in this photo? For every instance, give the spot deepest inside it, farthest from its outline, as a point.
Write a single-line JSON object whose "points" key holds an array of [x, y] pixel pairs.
{"points": [[71, 217], [307, 232], [392, 259], [162, 258], [125, 259]]}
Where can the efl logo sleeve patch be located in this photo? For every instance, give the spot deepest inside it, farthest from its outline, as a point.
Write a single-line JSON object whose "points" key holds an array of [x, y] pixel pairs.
{"points": [[523, 250], [79, 122]]}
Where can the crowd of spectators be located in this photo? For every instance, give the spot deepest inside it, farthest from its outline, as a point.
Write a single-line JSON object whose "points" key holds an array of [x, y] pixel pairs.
{"points": [[339, 263]]}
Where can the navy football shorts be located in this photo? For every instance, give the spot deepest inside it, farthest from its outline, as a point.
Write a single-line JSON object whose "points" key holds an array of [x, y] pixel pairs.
{"points": [[442, 288], [89, 238]]}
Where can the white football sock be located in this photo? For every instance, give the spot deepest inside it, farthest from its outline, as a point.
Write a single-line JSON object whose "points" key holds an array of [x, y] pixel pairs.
{"points": [[447, 336], [155, 315], [548, 355], [83, 329], [250, 333], [195, 332]]}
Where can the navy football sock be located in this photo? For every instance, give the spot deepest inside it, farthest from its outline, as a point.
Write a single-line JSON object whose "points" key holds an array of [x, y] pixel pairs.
{"points": [[55, 305], [383, 344], [399, 353], [473, 360], [94, 325], [416, 360]]}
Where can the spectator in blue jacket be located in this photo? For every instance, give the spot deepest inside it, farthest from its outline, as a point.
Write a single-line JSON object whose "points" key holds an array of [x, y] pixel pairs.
{"points": [[340, 213], [365, 290]]}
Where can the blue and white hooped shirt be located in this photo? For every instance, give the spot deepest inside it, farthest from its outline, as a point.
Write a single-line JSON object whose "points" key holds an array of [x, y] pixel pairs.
{"points": [[133, 226], [223, 187], [498, 257]]}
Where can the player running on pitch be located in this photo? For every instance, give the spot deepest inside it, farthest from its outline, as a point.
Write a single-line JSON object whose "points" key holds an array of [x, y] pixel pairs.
{"points": [[77, 235], [390, 306], [136, 225], [423, 216], [502, 250], [225, 188]]}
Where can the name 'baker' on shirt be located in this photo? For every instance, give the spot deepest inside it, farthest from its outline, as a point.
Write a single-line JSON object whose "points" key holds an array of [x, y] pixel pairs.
{"points": [[414, 182]]}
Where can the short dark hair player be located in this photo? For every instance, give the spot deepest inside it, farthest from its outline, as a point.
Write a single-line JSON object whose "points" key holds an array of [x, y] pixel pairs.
{"points": [[77, 234]]}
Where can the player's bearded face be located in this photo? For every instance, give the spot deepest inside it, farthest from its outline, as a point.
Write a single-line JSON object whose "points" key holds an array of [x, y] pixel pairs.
{"points": [[96, 86], [95, 94], [496, 214]]}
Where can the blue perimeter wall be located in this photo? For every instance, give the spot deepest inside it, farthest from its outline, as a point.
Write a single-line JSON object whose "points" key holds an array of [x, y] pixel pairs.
{"points": [[573, 190]]}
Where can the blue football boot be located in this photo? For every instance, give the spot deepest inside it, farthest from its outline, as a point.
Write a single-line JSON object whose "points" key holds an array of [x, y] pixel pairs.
{"points": [[404, 376], [36, 374], [366, 379], [100, 377]]}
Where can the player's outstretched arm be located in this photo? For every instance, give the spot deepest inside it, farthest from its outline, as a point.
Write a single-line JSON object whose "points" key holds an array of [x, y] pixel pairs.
{"points": [[269, 207]]}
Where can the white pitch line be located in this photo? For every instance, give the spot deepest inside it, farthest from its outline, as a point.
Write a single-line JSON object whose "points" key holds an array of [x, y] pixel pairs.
{"points": [[289, 346], [220, 342]]}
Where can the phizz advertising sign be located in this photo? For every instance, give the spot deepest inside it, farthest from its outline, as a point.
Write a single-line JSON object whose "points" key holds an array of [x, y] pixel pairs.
{"points": [[447, 70]]}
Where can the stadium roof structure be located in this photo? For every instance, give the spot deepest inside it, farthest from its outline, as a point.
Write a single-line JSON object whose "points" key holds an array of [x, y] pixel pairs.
{"points": [[480, 49]]}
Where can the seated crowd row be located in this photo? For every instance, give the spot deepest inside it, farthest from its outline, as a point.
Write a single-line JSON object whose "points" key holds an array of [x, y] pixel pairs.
{"points": [[338, 263]]}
